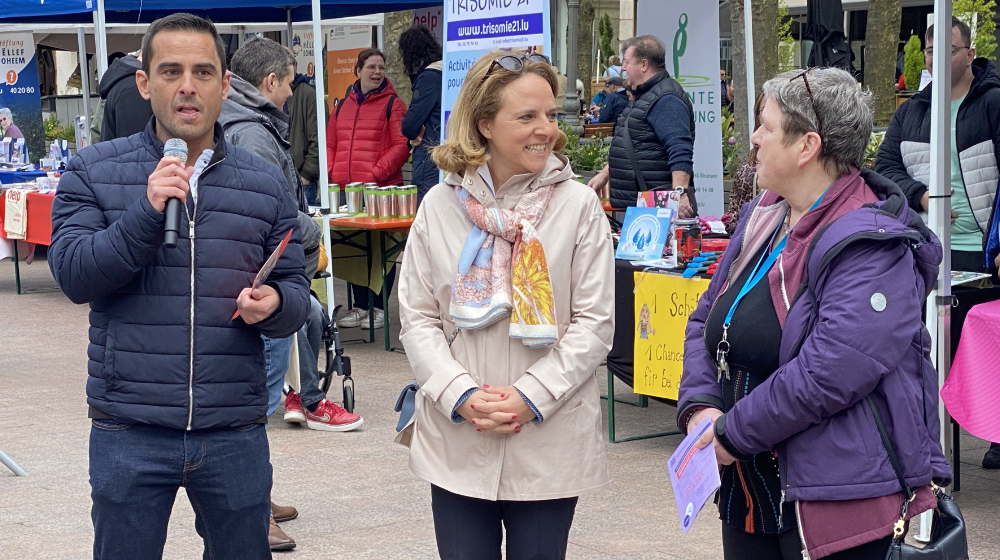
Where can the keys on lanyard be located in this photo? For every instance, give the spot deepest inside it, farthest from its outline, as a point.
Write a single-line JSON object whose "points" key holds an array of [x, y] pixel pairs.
{"points": [[720, 354], [759, 272]]}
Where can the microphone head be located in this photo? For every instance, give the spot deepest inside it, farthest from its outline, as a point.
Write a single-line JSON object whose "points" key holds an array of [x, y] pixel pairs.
{"points": [[175, 147]]}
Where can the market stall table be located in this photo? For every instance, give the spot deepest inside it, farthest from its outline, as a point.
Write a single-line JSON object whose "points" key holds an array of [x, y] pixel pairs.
{"points": [[13, 177], [344, 232], [39, 218]]}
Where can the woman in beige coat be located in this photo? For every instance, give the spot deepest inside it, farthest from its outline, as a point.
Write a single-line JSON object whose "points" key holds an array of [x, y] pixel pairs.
{"points": [[507, 425]]}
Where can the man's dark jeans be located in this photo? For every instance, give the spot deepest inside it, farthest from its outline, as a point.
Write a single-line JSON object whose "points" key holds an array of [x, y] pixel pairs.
{"points": [[310, 345], [136, 469]]}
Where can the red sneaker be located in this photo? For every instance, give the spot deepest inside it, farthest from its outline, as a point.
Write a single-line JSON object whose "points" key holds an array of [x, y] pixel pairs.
{"points": [[332, 418], [293, 408]]}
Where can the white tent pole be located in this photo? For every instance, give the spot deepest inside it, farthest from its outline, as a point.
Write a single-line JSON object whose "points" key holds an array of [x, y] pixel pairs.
{"points": [[939, 219], [940, 197], [748, 52], [101, 40], [81, 40], [323, 184]]}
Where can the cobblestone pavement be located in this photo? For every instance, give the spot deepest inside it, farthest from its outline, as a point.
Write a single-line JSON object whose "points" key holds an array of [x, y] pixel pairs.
{"points": [[355, 495]]}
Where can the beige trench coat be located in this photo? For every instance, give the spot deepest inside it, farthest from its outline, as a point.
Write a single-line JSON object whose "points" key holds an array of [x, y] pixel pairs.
{"points": [[564, 455]]}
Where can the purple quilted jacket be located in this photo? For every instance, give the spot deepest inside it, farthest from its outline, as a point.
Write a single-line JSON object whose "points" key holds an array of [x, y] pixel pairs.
{"points": [[841, 341]]}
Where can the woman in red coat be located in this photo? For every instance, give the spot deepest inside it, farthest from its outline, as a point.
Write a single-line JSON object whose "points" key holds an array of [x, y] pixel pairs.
{"points": [[365, 143]]}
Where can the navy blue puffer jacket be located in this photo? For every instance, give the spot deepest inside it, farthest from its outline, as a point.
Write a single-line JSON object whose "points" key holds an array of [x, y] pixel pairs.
{"points": [[163, 349]]}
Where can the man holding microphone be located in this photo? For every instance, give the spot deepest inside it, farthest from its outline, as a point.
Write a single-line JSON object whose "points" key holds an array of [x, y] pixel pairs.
{"points": [[176, 388]]}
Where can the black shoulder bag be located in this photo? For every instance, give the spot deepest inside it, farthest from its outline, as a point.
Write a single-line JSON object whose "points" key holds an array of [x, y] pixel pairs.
{"points": [[948, 539]]}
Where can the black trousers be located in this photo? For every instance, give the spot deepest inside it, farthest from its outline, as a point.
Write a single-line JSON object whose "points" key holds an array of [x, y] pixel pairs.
{"points": [[472, 529], [740, 545], [360, 293]]}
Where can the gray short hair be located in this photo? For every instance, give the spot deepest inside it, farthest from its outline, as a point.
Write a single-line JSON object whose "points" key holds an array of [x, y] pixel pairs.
{"points": [[648, 47], [260, 57], [5, 112], [844, 109]]}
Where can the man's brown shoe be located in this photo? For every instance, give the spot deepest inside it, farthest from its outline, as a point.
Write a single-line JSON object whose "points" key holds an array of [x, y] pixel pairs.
{"points": [[278, 539], [283, 513]]}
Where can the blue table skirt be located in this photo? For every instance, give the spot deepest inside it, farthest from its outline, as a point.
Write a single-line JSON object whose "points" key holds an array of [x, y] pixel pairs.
{"points": [[11, 177]]}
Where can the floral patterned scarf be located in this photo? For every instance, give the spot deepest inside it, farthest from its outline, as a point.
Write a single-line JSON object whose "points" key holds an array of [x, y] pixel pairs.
{"points": [[503, 272]]}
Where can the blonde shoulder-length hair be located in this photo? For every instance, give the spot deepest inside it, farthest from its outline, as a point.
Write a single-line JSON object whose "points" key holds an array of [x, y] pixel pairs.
{"points": [[480, 100]]}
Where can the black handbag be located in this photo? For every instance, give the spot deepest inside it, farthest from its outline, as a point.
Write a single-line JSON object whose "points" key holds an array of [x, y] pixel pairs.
{"points": [[948, 538]]}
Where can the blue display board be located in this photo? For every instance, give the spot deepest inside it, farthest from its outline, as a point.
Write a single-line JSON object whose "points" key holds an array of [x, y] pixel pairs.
{"points": [[19, 89]]}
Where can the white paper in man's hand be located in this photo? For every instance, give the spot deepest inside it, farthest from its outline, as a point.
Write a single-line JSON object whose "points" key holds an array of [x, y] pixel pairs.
{"points": [[694, 475]]}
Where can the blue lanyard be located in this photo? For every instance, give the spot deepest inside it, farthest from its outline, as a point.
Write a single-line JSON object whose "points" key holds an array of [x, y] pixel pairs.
{"points": [[763, 266]]}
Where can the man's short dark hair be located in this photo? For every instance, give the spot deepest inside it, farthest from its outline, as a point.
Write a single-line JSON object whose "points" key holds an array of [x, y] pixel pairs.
{"points": [[260, 57], [181, 22], [647, 47], [963, 30]]}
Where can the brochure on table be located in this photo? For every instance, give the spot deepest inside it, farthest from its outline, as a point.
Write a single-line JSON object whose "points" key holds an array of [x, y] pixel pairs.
{"points": [[647, 232]]}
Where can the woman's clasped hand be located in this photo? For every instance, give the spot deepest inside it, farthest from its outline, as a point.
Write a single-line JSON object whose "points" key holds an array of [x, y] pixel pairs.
{"points": [[500, 410]]}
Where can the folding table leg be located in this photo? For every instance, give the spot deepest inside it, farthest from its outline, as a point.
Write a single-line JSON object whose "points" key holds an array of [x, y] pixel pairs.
{"points": [[17, 269]]}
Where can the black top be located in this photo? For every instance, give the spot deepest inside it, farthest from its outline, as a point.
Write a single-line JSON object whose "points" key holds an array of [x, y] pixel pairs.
{"points": [[750, 496], [754, 333]]}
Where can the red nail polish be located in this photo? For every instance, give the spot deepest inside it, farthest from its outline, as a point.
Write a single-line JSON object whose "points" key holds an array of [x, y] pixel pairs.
{"points": [[472, 406], [486, 386], [517, 430], [502, 395], [478, 430], [473, 421]]}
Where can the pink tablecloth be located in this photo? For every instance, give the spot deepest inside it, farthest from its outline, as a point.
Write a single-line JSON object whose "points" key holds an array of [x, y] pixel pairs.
{"points": [[972, 391]]}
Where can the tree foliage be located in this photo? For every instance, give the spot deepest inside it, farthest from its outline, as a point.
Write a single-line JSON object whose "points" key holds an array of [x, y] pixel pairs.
{"points": [[978, 14], [606, 33], [913, 60], [786, 44]]}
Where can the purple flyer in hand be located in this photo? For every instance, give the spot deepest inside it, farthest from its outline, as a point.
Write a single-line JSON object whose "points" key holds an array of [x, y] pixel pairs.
{"points": [[694, 475]]}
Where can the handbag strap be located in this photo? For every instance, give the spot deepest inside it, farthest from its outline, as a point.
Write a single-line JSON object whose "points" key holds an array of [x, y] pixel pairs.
{"points": [[893, 458], [632, 159]]}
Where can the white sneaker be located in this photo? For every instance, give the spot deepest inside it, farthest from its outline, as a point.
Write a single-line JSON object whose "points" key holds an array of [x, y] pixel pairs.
{"points": [[354, 318], [379, 320]]}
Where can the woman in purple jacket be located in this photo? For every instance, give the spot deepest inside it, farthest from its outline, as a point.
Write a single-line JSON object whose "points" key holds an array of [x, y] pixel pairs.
{"points": [[816, 305]]}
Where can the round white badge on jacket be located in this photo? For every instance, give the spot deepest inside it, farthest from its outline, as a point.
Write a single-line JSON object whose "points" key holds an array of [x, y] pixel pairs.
{"points": [[878, 301]]}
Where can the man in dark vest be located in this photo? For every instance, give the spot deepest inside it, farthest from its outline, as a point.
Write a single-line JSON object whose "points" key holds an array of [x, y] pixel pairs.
{"points": [[653, 146]]}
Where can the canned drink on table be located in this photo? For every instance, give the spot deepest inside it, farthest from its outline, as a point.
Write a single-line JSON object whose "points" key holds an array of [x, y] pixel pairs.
{"points": [[384, 198], [687, 235], [355, 195], [409, 201], [371, 199], [333, 197]]}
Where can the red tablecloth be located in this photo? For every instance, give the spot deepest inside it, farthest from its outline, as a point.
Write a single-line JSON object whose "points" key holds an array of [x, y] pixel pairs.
{"points": [[39, 209]]}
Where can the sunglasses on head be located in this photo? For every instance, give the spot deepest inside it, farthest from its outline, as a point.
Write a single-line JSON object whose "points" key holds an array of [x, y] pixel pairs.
{"points": [[513, 63], [812, 101]]}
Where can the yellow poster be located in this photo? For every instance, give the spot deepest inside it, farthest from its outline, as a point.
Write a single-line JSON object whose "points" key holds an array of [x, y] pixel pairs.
{"points": [[663, 303]]}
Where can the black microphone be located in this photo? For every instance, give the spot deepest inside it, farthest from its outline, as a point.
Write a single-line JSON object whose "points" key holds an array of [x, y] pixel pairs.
{"points": [[175, 147]]}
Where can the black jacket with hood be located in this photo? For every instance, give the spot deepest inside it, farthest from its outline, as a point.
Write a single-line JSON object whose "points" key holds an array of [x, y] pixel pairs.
{"points": [[905, 155], [125, 111]]}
